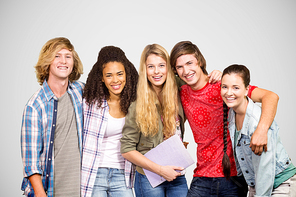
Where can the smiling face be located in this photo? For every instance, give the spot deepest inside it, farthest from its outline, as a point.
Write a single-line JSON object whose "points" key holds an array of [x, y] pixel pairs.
{"points": [[233, 90], [156, 69], [114, 77], [190, 71], [62, 66]]}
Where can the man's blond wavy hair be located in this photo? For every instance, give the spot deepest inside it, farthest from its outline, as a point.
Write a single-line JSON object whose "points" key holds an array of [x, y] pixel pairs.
{"points": [[147, 117], [47, 55]]}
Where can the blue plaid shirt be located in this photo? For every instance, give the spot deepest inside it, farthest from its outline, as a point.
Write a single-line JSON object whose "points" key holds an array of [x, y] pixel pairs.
{"points": [[36, 129]]}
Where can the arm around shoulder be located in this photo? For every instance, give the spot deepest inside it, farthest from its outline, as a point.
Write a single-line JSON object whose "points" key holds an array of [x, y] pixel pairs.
{"points": [[269, 102]]}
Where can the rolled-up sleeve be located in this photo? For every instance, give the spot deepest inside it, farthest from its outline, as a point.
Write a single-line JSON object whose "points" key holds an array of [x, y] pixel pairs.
{"points": [[264, 167], [130, 132], [31, 142], [251, 88]]}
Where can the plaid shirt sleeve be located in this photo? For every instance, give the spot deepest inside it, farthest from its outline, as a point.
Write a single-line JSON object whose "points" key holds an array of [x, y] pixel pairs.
{"points": [[34, 137], [129, 174], [31, 142]]}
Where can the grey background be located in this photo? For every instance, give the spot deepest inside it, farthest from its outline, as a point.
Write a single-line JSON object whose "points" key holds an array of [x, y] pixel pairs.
{"points": [[258, 34]]}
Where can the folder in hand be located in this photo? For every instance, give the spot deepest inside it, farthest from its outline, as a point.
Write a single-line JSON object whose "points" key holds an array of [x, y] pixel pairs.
{"points": [[170, 152]]}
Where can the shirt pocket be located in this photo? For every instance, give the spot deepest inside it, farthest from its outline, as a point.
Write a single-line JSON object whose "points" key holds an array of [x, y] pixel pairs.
{"points": [[244, 142], [145, 145]]}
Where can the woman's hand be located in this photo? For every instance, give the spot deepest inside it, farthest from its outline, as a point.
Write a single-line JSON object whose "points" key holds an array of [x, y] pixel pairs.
{"points": [[169, 172]]}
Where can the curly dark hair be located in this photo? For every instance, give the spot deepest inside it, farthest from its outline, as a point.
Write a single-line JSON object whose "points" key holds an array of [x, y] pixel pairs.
{"points": [[96, 91]]}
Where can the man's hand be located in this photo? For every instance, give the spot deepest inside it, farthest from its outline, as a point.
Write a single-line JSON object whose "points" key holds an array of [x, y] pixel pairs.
{"points": [[259, 142], [269, 102], [215, 76]]}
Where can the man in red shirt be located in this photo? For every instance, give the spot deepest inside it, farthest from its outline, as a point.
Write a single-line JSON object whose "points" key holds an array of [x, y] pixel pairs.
{"points": [[203, 107]]}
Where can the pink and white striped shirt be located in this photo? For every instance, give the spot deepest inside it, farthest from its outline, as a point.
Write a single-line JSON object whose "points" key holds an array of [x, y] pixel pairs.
{"points": [[95, 123]]}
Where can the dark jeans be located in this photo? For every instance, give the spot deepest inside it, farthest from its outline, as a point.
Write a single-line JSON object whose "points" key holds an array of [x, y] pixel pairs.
{"points": [[175, 188], [212, 187]]}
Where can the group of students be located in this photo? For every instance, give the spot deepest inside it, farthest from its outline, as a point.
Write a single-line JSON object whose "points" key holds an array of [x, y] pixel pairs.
{"points": [[90, 139]]}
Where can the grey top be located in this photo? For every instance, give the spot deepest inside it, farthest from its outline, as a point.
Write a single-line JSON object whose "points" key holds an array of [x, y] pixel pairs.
{"points": [[66, 150]]}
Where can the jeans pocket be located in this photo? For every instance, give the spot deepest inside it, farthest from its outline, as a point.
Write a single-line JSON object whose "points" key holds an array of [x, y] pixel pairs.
{"points": [[121, 171]]}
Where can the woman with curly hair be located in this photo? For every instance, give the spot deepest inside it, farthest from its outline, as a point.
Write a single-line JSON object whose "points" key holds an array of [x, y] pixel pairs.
{"points": [[156, 115], [109, 90]]}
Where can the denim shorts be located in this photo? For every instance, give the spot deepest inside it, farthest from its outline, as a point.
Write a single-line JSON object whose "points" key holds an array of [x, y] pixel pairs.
{"points": [[111, 182], [212, 187], [175, 188]]}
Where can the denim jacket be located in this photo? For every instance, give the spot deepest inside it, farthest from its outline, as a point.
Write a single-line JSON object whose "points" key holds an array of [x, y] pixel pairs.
{"points": [[259, 171]]}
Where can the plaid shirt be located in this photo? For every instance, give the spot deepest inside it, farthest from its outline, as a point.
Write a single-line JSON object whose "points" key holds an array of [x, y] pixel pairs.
{"points": [[95, 123], [36, 130]]}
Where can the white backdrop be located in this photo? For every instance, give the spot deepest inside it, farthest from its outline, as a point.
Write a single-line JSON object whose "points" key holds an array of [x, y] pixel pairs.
{"points": [[258, 34]]}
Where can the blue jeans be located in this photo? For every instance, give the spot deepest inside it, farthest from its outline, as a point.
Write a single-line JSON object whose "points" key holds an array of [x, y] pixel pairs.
{"points": [[210, 187], [175, 188], [111, 182]]}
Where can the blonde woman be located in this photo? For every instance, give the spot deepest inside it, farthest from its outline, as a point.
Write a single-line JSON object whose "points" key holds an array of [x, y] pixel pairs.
{"points": [[156, 115]]}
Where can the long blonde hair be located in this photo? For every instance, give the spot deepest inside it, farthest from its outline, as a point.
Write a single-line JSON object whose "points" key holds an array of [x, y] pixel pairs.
{"points": [[147, 117]]}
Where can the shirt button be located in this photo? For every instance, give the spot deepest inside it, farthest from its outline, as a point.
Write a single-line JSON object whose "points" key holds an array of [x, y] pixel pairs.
{"points": [[142, 144], [239, 145], [51, 142], [53, 125], [247, 171], [252, 183], [242, 159], [49, 159], [47, 175], [287, 162]]}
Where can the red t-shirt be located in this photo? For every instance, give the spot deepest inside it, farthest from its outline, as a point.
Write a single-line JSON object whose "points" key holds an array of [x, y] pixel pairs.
{"points": [[204, 111]]}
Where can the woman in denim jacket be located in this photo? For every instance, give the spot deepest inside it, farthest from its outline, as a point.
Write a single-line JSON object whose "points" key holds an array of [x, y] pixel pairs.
{"points": [[272, 173]]}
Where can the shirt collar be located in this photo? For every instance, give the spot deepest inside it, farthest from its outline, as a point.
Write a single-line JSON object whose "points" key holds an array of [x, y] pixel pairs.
{"points": [[48, 92]]}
